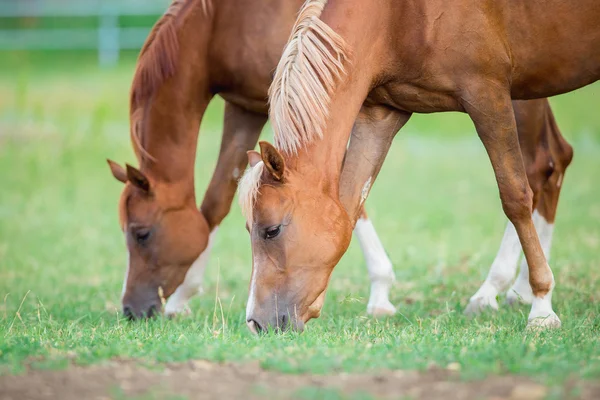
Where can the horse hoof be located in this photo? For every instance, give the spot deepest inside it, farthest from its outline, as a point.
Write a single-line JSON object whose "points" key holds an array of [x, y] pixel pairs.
{"points": [[381, 310], [550, 321], [481, 304]]}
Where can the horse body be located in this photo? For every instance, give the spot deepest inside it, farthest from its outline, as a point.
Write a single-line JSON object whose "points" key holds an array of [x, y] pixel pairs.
{"points": [[433, 52], [368, 67]]}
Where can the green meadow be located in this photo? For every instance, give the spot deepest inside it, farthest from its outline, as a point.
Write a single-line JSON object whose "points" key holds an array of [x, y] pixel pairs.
{"points": [[435, 206]]}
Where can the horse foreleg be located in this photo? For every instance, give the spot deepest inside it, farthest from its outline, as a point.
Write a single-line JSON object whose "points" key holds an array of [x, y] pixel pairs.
{"points": [[240, 133], [552, 156], [371, 138], [492, 113], [531, 119]]}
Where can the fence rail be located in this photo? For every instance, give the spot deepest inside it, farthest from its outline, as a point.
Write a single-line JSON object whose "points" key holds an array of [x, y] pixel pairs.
{"points": [[108, 37]]}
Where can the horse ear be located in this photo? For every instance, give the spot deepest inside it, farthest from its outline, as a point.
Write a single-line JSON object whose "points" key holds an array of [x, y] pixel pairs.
{"points": [[253, 157], [137, 179], [117, 171], [273, 160]]}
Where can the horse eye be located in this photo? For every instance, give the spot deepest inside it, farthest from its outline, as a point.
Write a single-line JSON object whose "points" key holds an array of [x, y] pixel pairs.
{"points": [[272, 232], [141, 235]]}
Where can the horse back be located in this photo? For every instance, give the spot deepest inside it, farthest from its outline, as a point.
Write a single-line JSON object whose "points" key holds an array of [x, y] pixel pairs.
{"points": [[554, 45]]}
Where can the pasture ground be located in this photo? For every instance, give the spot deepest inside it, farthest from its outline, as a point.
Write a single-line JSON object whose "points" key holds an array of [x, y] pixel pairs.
{"points": [[435, 206]]}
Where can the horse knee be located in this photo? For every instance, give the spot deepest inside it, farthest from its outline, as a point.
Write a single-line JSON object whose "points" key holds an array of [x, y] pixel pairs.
{"points": [[517, 203]]}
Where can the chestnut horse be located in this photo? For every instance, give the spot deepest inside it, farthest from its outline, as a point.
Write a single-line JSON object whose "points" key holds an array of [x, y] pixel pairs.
{"points": [[198, 49], [370, 65]]}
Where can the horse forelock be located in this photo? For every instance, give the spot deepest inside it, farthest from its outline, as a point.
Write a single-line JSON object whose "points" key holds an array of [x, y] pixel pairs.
{"points": [[300, 94], [248, 190], [157, 63]]}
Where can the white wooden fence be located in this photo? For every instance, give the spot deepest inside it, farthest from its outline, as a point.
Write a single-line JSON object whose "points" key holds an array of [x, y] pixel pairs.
{"points": [[108, 38]]}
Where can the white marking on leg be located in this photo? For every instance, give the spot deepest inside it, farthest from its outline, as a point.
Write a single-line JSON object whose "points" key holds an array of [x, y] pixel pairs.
{"points": [[521, 289], [501, 273], [379, 267], [192, 283], [542, 315]]}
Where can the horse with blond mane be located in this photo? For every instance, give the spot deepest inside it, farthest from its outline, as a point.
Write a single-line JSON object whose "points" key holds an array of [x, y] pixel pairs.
{"points": [[199, 49], [355, 71]]}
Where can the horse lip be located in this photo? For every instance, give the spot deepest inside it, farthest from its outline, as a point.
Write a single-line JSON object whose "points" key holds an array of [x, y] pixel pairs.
{"points": [[252, 326], [314, 310]]}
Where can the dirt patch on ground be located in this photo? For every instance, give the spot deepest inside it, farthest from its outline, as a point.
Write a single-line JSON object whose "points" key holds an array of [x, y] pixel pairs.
{"points": [[206, 380]]}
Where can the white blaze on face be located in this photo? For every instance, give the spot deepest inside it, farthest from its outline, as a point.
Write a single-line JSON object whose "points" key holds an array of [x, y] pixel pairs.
{"points": [[126, 277], [192, 283], [126, 268], [252, 295]]}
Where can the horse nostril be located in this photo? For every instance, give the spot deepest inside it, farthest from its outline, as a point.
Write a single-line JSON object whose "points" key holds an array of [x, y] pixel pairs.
{"points": [[254, 326], [128, 312], [283, 322], [152, 311]]}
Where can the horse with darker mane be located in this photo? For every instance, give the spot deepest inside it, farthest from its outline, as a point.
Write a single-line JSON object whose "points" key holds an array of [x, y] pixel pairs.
{"points": [[355, 71]]}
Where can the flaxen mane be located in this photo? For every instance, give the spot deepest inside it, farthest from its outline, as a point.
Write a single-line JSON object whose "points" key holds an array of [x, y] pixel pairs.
{"points": [[312, 61], [248, 190], [156, 64]]}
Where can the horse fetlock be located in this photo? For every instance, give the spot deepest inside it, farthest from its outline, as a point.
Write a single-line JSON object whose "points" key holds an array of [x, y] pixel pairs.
{"points": [[483, 300], [541, 282], [379, 303], [542, 315], [479, 305]]}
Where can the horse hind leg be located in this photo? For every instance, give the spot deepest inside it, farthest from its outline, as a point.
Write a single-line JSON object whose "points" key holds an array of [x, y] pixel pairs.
{"points": [[553, 156]]}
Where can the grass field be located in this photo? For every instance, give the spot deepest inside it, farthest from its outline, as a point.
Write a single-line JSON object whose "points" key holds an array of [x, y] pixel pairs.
{"points": [[435, 205]]}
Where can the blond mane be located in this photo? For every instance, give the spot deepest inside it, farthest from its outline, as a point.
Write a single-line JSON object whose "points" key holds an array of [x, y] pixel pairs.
{"points": [[157, 63], [299, 96], [248, 187]]}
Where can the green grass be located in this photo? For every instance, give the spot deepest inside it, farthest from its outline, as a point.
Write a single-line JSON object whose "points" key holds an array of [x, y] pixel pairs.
{"points": [[435, 205]]}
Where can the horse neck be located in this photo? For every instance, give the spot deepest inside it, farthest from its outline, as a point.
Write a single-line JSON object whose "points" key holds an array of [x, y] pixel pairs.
{"points": [[322, 159], [324, 156], [169, 119]]}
